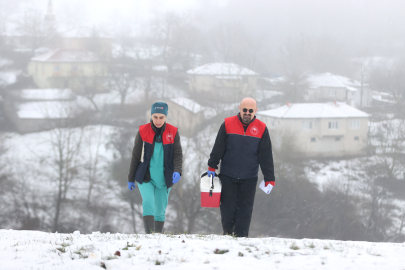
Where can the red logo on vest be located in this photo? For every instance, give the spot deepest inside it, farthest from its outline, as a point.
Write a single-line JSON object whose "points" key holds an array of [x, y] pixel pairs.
{"points": [[169, 137], [254, 130]]}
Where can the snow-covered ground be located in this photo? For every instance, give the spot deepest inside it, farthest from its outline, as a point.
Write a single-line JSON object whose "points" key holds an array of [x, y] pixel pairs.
{"points": [[53, 251]]}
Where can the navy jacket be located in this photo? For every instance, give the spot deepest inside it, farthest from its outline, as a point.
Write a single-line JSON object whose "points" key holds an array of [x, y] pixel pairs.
{"points": [[242, 148], [143, 151]]}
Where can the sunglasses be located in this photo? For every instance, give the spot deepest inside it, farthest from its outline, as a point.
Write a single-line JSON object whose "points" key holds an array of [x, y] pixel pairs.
{"points": [[245, 110]]}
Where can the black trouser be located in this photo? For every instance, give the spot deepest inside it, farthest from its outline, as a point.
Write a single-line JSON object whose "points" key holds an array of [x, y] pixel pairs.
{"points": [[237, 199]]}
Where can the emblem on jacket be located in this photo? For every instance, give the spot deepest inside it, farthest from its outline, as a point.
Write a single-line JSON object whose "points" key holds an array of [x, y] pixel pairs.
{"points": [[254, 130], [169, 137]]}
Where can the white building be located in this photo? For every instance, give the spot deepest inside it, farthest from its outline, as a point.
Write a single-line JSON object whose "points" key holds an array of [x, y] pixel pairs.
{"points": [[319, 129], [329, 87]]}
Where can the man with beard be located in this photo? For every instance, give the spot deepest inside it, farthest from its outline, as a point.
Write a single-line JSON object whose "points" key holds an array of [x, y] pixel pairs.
{"points": [[242, 144]]}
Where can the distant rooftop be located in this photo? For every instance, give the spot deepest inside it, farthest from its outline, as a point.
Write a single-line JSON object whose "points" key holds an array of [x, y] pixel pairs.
{"points": [[64, 55], [331, 80], [84, 32], [222, 69], [193, 106], [314, 110]]}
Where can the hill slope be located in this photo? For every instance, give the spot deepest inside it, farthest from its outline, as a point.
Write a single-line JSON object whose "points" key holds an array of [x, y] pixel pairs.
{"points": [[40, 250]]}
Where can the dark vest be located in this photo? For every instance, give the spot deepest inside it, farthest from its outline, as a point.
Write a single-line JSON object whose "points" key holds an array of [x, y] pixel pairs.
{"points": [[148, 137], [241, 151]]}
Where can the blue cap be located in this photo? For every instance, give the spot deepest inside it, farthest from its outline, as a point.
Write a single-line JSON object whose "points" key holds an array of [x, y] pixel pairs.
{"points": [[159, 107]]}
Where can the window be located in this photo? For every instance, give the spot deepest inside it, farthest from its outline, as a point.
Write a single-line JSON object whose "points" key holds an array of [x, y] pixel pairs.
{"points": [[354, 124], [313, 139], [56, 68], [332, 93], [273, 123], [333, 125], [337, 139], [306, 124], [356, 138]]}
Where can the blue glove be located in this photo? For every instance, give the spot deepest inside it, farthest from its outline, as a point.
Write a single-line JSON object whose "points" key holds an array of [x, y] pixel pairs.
{"points": [[176, 177], [209, 173], [131, 185]]}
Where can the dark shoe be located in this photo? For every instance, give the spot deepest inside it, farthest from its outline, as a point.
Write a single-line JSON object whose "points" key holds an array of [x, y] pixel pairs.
{"points": [[159, 226], [149, 223]]}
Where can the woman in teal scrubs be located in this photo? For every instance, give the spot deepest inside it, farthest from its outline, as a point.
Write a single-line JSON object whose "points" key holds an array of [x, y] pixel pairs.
{"points": [[156, 165]]}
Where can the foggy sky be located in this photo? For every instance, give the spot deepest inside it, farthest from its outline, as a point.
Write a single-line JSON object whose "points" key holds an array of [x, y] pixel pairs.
{"points": [[357, 23]]}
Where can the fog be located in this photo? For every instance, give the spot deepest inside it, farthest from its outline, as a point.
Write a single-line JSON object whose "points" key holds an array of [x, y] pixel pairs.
{"points": [[77, 79]]}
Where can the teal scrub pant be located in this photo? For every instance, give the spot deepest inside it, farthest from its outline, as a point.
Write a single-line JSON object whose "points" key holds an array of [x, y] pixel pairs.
{"points": [[155, 194], [154, 200]]}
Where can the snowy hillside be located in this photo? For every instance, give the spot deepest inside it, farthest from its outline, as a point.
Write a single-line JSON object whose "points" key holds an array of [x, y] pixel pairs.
{"points": [[53, 251]]}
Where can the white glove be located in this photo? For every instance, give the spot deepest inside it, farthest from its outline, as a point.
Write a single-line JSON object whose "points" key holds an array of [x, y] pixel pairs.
{"points": [[267, 189]]}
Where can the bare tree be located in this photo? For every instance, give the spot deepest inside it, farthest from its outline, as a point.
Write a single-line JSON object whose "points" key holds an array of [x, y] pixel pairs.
{"points": [[295, 61], [33, 26], [87, 81], [175, 35], [377, 210], [94, 173], [327, 55], [390, 78], [389, 143], [149, 80], [7, 10], [122, 143], [121, 79], [7, 186], [64, 163], [365, 67], [232, 43]]}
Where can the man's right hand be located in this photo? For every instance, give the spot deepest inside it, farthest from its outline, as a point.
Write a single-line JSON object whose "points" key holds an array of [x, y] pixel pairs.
{"points": [[210, 172], [131, 185]]}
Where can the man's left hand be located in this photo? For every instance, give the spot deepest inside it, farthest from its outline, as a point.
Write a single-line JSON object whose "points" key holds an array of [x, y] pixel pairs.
{"points": [[269, 183], [176, 177]]}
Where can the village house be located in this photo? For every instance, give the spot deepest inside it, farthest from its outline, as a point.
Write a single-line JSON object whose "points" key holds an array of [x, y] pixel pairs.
{"points": [[329, 87], [224, 81], [63, 68], [187, 115], [319, 129]]}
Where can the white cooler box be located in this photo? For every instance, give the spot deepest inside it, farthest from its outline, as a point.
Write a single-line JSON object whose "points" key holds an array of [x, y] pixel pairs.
{"points": [[210, 191]]}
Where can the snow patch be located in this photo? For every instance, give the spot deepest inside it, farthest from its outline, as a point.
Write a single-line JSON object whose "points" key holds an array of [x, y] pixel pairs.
{"points": [[23, 249]]}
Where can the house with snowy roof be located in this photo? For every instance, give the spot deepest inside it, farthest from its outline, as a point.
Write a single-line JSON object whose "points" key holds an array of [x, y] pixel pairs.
{"points": [[68, 68], [330, 87], [33, 110], [187, 114], [223, 81], [319, 129]]}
